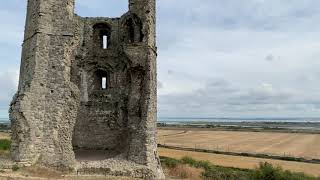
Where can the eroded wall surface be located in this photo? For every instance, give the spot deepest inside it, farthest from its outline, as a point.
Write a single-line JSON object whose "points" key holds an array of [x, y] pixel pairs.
{"points": [[102, 118], [44, 109], [76, 93]]}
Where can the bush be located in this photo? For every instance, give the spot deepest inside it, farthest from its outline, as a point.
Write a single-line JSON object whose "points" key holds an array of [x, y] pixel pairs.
{"points": [[216, 172], [206, 165], [169, 162], [15, 167], [189, 160], [5, 144], [267, 171], [222, 173]]}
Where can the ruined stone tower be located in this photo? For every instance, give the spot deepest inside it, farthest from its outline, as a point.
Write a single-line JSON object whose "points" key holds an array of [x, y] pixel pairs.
{"points": [[87, 91]]}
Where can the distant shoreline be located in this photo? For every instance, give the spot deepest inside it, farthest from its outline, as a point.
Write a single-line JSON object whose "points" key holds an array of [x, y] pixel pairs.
{"points": [[225, 119], [270, 126]]}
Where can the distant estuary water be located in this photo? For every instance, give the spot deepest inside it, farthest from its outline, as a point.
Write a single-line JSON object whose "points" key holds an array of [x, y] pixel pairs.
{"points": [[4, 120], [186, 119], [212, 120]]}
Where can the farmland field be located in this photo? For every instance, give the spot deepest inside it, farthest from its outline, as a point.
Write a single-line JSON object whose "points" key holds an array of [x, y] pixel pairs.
{"points": [[4, 135], [205, 138], [242, 162], [270, 143]]}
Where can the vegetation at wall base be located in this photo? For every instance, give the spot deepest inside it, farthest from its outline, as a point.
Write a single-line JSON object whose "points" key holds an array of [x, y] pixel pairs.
{"points": [[5, 144], [187, 167], [265, 171]]}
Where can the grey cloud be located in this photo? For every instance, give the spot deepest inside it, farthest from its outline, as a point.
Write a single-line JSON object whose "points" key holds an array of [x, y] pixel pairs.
{"points": [[160, 85], [7, 88], [199, 41], [220, 97], [270, 57], [170, 72]]}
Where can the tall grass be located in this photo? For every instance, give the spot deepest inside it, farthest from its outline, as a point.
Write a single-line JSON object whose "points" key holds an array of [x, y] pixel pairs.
{"points": [[264, 171], [187, 167]]}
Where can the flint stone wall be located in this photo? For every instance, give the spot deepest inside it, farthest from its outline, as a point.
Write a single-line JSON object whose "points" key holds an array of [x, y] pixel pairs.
{"points": [[61, 105]]}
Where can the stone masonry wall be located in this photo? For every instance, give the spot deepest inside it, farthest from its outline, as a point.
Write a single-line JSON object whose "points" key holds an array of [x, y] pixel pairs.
{"points": [[102, 118], [44, 108], [61, 104]]}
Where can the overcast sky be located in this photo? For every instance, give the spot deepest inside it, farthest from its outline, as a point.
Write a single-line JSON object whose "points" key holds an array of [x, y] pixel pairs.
{"points": [[217, 58]]}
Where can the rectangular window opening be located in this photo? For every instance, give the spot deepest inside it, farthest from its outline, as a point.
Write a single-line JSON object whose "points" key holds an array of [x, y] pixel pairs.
{"points": [[104, 83], [105, 42]]}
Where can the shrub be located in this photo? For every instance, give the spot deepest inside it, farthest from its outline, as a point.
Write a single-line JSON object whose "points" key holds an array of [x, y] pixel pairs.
{"points": [[5, 144], [15, 167], [220, 173], [188, 167], [206, 165], [189, 160], [169, 162], [267, 171]]}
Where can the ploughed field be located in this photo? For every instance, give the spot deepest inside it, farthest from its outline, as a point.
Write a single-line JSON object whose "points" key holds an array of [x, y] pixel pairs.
{"points": [[270, 143]]}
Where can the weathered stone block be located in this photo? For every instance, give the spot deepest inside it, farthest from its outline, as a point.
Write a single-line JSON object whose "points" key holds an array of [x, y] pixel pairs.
{"points": [[87, 85]]}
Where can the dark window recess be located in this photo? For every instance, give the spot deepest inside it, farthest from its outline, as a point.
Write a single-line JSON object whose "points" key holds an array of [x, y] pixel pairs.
{"points": [[134, 29], [131, 30], [101, 80], [102, 34]]}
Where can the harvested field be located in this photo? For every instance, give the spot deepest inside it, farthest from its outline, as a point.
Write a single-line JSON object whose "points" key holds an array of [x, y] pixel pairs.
{"points": [[242, 162], [4, 135], [271, 143]]}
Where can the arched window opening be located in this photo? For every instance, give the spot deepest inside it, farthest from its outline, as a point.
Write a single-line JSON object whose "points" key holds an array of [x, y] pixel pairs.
{"points": [[134, 29], [101, 81], [102, 35], [131, 30]]}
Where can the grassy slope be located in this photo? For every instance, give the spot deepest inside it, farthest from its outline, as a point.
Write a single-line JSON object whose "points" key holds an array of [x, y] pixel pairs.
{"points": [[188, 167], [241, 162], [265, 171]]}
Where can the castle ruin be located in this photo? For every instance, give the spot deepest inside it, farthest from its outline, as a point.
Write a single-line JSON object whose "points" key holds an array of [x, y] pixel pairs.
{"points": [[87, 96]]}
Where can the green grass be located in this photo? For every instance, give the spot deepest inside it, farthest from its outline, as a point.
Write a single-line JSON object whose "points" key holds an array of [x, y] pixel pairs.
{"points": [[169, 162], [265, 171], [5, 144]]}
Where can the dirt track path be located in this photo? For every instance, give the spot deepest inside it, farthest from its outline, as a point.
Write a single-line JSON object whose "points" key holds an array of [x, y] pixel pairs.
{"points": [[242, 162]]}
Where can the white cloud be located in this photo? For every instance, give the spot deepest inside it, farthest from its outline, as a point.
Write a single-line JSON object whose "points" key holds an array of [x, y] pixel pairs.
{"points": [[218, 58], [8, 86]]}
